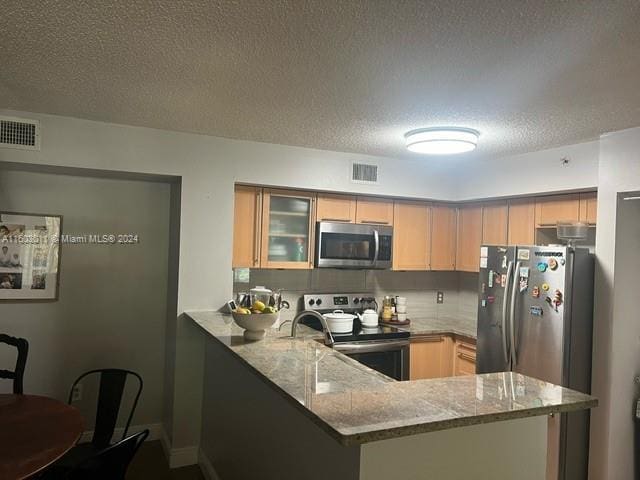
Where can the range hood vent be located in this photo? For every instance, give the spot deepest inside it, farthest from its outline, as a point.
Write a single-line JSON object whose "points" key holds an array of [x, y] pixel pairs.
{"points": [[19, 133], [364, 173]]}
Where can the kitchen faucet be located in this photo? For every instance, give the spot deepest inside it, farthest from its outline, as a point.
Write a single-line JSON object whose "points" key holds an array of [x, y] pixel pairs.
{"points": [[328, 338]]}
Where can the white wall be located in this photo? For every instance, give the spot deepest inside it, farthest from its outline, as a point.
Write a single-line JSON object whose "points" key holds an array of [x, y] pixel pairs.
{"points": [[111, 310], [617, 329], [529, 173], [209, 167]]}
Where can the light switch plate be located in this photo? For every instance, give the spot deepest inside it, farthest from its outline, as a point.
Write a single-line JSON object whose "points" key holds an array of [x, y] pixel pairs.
{"points": [[440, 297]]}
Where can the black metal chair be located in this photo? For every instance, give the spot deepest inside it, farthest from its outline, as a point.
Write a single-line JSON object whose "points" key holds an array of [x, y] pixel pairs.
{"points": [[17, 375], [112, 383], [110, 463]]}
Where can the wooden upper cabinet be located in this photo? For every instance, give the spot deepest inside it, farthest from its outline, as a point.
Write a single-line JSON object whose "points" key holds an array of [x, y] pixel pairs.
{"points": [[589, 207], [469, 238], [247, 213], [443, 237], [336, 208], [376, 211], [557, 208], [288, 221], [522, 222], [411, 236], [495, 223]]}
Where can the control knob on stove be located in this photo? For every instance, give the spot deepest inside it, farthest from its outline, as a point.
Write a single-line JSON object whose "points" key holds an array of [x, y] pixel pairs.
{"points": [[318, 302], [356, 301], [312, 302]]}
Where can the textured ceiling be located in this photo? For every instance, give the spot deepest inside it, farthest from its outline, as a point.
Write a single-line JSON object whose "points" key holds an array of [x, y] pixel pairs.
{"points": [[332, 74]]}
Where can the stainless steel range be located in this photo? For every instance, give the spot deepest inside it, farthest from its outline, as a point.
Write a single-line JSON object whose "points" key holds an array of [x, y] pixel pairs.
{"points": [[382, 348]]}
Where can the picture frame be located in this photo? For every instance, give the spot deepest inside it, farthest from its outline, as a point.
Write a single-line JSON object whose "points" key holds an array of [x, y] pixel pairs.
{"points": [[29, 256]]}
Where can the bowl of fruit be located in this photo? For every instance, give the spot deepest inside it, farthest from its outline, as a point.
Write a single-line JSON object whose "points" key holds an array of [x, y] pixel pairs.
{"points": [[255, 320]]}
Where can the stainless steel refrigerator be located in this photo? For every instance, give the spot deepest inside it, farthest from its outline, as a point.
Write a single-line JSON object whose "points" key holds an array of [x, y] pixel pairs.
{"points": [[535, 317]]}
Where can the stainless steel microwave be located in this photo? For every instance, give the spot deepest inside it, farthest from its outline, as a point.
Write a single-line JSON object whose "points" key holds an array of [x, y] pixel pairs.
{"points": [[347, 245]]}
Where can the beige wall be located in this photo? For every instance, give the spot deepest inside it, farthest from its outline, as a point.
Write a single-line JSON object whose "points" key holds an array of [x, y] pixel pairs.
{"points": [[111, 310]]}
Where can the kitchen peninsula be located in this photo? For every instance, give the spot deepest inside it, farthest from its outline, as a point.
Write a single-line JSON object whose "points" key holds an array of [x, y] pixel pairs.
{"points": [[335, 418]]}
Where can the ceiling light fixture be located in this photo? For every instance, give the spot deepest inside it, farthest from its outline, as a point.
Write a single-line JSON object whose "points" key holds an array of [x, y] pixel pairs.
{"points": [[441, 140]]}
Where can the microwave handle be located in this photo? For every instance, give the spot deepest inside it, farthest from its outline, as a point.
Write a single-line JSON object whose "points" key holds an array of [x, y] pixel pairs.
{"points": [[376, 238]]}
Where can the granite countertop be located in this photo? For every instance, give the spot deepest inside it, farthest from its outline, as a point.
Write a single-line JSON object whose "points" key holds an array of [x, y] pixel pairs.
{"points": [[356, 405], [442, 325]]}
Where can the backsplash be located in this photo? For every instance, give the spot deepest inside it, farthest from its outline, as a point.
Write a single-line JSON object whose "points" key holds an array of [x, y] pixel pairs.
{"points": [[420, 288]]}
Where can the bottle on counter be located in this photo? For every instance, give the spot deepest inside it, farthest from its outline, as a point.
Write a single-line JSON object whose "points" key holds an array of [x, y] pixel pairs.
{"points": [[387, 312]]}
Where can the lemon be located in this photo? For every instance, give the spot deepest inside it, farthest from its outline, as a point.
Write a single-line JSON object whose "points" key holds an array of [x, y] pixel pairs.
{"points": [[269, 310], [243, 311], [258, 305]]}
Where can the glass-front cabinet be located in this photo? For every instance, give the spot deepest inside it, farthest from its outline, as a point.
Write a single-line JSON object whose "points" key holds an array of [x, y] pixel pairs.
{"points": [[287, 229]]}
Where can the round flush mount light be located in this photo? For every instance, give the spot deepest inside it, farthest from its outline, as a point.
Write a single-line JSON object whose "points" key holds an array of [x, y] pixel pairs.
{"points": [[442, 140]]}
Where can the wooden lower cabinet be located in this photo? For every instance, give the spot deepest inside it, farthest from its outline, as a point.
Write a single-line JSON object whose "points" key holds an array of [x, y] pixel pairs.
{"points": [[431, 357], [464, 357]]}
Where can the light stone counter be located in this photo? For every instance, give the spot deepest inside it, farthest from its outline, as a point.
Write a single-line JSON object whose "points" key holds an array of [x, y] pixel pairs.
{"points": [[357, 405], [441, 325]]}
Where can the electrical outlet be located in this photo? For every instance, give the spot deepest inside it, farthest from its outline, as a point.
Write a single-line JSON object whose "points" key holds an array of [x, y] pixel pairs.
{"points": [[440, 297], [76, 393]]}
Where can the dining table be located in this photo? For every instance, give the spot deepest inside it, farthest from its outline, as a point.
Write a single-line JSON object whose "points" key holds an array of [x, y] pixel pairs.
{"points": [[35, 431]]}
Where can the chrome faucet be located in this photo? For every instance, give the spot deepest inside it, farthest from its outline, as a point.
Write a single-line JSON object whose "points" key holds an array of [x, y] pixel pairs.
{"points": [[328, 338]]}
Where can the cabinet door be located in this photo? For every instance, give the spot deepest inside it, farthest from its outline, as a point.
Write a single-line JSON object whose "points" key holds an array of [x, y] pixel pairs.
{"points": [[469, 238], [430, 357], [589, 207], [522, 222], [247, 213], [464, 361], [494, 223], [287, 229], [336, 208], [411, 236], [443, 237], [376, 211], [557, 208]]}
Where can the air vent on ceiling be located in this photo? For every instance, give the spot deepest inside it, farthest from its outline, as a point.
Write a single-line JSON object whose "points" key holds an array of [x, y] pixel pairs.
{"points": [[364, 173], [19, 133]]}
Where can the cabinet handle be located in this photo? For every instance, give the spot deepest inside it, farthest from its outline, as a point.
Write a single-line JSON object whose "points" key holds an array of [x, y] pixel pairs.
{"points": [[334, 220], [256, 239], [467, 357], [374, 222]]}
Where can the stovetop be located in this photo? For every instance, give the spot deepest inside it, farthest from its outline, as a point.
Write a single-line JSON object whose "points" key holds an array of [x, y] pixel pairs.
{"points": [[350, 303]]}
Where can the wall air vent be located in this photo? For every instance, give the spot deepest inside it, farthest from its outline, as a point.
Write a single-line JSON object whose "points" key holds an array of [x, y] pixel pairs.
{"points": [[19, 133], [364, 173]]}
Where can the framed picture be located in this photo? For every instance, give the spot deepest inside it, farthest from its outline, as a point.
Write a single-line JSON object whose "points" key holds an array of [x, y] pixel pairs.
{"points": [[29, 256]]}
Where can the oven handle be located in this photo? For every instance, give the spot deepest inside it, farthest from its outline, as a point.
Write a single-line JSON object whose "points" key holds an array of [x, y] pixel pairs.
{"points": [[370, 347]]}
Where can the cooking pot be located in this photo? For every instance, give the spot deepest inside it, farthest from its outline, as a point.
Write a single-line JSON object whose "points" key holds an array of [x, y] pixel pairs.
{"points": [[339, 322]]}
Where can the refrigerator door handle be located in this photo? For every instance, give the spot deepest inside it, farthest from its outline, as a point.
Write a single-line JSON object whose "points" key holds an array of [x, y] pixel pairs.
{"points": [[512, 315], [503, 327]]}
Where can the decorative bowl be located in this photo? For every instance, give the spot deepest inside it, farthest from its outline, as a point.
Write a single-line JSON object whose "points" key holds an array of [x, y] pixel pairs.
{"points": [[255, 324]]}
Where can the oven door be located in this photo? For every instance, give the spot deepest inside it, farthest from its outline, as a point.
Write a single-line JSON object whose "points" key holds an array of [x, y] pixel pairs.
{"points": [[389, 357], [344, 245]]}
